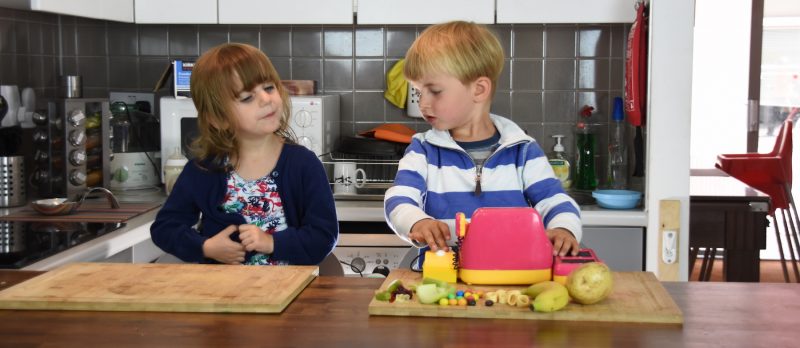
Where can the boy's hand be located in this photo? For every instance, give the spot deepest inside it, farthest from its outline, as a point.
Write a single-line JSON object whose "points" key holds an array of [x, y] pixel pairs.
{"points": [[432, 232], [255, 239], [563, 241], [221, 248]]}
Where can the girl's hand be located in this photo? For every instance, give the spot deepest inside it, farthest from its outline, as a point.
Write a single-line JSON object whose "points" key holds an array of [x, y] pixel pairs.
{"points": [[563, 241], [221, 248], [432, 232], [254, 239]]}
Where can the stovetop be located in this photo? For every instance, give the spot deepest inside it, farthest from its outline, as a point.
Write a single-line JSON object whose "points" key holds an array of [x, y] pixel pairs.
{"points": [[24, 243]]}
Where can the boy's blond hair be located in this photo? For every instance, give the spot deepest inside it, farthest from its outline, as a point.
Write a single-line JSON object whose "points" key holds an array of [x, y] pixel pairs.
{"points": [[461, 49], [214, 91]]}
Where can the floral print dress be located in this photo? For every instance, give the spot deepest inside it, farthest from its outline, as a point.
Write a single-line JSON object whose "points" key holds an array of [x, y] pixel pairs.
{"points": [[260, 204]]}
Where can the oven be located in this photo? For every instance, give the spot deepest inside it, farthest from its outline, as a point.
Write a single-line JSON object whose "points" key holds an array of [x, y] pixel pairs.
{"points": [[371, 249]]}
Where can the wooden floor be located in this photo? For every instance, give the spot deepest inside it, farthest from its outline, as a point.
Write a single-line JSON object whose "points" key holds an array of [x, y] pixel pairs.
{"points": [[771, 271]]}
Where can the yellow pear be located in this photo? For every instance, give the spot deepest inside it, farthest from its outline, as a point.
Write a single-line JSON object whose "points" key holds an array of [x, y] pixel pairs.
{"points": [[590, 283]]}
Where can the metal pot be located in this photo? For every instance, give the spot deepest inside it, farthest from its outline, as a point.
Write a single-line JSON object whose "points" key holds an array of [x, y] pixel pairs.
{"points": [[12, 181], [11, 237]]}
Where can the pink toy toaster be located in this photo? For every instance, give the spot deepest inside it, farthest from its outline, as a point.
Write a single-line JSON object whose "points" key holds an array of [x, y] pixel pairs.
{"points": [[565, 264], [504, 246]]}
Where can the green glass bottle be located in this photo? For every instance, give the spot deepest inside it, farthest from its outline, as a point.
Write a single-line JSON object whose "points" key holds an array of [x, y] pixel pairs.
{"points": [[585, 171]]}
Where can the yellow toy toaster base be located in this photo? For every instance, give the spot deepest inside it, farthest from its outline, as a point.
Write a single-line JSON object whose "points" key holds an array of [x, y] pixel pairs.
{"points": [[560, 279], [492, 277]]}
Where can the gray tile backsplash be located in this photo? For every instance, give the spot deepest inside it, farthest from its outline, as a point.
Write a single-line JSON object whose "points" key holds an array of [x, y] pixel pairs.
{"points": [[550, 71]]}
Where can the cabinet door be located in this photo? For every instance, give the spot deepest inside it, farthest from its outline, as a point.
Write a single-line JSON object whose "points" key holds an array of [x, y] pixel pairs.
{"points": [[424, 11], [176, 11], [114, 10], [565, 11], [621, 248], [286, 12]]}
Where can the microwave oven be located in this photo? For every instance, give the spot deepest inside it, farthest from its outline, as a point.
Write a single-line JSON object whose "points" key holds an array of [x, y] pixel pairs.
{"points": [[314, 122]]}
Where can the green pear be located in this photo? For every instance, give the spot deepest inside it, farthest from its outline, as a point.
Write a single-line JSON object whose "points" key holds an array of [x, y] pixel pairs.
{"points": [[590, 283]]}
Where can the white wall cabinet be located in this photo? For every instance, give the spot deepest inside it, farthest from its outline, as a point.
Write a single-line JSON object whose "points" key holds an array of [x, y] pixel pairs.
{"points": [[286, 12], [565, 11], [424, 11], [176, 11], [112, 10]]}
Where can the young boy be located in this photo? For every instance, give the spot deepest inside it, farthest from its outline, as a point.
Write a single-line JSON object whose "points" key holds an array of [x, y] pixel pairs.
{"points": [[470, 158]]}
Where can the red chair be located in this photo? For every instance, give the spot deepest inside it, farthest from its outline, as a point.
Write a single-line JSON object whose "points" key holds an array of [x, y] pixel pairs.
{"points": [[771, 173]]}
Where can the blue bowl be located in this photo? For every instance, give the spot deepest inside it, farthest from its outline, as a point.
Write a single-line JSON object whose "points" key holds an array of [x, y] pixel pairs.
{"points": [[617, 199]]}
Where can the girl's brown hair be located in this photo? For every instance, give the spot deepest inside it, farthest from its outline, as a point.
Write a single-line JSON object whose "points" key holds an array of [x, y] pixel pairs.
{"points": [[464, 50], [214, 89]]}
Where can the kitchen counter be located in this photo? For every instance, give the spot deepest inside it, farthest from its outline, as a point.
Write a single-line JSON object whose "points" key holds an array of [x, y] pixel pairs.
{"points": [[591, 215], [332, 312], [135, 231]]}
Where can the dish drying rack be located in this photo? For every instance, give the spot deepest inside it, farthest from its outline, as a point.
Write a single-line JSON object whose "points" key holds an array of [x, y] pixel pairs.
{"points": [[380, 172]]}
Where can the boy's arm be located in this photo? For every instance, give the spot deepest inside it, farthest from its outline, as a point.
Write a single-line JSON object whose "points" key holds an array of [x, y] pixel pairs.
{"points": [[544, 191], [403, 202]]}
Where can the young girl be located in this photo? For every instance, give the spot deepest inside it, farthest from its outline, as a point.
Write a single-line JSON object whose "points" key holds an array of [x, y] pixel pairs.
{"points": [[263, 199]]}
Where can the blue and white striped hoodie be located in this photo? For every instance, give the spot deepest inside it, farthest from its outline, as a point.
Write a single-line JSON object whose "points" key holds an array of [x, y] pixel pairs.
{"points": [[436, 179]]}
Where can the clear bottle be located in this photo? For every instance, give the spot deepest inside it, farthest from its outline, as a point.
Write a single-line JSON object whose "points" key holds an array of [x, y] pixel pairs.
{"points": [[560, 164], [617, 151], [585, 169]]}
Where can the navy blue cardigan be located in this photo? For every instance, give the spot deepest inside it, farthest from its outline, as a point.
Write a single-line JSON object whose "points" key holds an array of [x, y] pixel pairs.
{"points": [[307, 200]]}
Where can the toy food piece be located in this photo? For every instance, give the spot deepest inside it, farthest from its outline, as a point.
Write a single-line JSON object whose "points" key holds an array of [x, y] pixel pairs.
{"points": [[439, 265]]}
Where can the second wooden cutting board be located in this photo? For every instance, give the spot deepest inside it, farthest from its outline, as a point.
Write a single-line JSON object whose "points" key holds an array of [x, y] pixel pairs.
{"points": [[637, 297], [161, 288]]}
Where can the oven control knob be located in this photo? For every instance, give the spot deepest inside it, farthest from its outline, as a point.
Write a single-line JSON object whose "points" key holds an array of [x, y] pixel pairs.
{"points": [[305, 141], [77, 177], [40, 136], [76, 118], [77, 157], [302, 118], [381, 270], [77, 136], [358, 265]]}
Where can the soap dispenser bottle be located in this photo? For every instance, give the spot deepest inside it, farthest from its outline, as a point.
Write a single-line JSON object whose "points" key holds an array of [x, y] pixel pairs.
{"points": [[559, 162], [585, 169], [173, 168]]}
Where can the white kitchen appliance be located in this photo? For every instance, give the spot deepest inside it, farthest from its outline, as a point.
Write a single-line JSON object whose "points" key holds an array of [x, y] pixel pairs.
{"points": [[314, 121]]}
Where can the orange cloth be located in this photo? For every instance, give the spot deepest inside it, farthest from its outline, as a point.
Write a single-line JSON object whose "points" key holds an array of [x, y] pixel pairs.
{"points": [[391, 132]]}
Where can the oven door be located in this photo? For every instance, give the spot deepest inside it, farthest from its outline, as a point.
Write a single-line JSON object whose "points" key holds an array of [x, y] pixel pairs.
{"points": [[371, 249]]}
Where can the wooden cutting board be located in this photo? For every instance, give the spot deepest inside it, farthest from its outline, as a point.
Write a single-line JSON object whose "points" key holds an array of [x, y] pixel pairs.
{"points": [[161, 288], [637, 297], [98, 212]]}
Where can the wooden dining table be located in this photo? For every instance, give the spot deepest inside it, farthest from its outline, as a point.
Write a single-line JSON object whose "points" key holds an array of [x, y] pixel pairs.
{"points": [[332, 312]]}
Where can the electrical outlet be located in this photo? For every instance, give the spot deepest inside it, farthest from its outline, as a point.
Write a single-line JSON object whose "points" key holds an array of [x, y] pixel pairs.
{"points": [[669, 251]]}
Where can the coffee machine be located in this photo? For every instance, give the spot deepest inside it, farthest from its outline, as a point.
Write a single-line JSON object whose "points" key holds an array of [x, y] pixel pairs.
{"points": [[135, 144]]}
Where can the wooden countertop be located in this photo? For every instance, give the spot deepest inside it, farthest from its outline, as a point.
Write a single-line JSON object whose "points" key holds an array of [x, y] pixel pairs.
{"points": [[332, 312]]}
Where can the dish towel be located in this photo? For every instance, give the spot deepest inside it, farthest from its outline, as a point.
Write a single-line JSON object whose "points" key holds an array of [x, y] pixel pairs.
{"points": [[396, 85]]}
